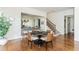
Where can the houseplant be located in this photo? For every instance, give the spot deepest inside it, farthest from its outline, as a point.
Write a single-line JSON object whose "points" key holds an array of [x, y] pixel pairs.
{"points": [[4, 27]]}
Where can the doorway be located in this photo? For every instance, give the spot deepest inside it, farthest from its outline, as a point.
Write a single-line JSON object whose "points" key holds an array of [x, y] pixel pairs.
{"points": [[39, 23], [68, 25]]}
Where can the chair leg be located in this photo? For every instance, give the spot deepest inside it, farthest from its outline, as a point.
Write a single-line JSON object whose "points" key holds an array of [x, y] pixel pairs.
{"points": [[52, 43], [31, 45], [28, 42], [46, 46]]}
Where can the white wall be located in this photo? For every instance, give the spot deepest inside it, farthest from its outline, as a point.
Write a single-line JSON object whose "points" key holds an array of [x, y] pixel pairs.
{"points": [[15, 13], [15, 29], [33, 11], [76, 25], [58, 18]]}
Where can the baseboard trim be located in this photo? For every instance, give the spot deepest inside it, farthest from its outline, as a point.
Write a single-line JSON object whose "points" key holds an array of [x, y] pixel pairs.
{"points": [[13, 38]]}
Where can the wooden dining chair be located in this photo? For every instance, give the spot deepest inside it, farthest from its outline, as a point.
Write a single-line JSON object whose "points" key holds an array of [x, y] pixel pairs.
{"points": [[29, 37], [49, 39]]}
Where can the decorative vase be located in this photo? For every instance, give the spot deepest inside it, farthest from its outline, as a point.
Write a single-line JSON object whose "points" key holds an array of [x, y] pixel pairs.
{"points": [[3, 41]]}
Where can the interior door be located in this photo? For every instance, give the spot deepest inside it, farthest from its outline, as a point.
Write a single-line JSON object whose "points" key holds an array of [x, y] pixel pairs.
{"points": [[39, 23], [68, 24]]}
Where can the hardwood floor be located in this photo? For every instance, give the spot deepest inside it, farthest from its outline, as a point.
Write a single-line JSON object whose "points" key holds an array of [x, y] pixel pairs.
{"points": [[60, 44]]}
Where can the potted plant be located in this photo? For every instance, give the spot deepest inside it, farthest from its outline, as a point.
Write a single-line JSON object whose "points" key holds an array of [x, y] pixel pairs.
{"points": [[4, 27]]}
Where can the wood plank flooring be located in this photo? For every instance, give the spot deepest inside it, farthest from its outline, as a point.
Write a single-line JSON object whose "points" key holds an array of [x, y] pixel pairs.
{"points": [[61, 43]]}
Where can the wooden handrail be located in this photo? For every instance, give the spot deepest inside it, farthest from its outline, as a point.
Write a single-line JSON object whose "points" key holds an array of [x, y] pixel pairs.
{"points": [[51, 25], [50, 22]]}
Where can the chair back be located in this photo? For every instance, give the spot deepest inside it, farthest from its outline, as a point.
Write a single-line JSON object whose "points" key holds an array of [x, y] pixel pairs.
{"points": [[29, 36], [49, 37]]}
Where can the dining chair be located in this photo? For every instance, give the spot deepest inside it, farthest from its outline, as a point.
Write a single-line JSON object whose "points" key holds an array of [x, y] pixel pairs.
{"points": [[49, 39], [29, 37]]}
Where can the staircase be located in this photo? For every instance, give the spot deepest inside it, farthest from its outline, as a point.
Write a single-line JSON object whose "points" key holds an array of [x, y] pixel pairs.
{"points": [[52, 26]]}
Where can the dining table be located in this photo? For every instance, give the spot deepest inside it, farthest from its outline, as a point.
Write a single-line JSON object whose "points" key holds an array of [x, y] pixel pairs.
{"points": [[39, 41]]}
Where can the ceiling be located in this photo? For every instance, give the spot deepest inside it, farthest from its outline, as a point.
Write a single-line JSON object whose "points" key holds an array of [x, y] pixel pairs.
{"points": [[51, 9]]}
